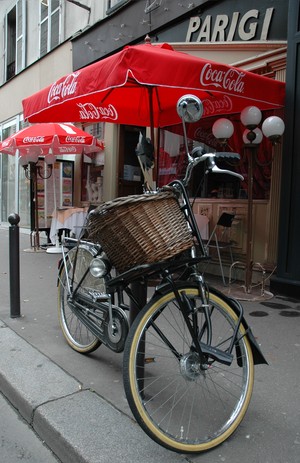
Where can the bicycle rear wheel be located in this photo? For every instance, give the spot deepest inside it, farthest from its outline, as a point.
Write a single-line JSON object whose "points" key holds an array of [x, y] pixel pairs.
{"points": [[180, 406], [75, 332]]}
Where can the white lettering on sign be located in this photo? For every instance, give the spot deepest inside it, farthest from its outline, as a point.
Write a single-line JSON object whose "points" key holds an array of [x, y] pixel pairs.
{"points": [[92, 112], [77, 139], [206, 137], [37, 139], [224, 28], [64, 89], [231, 79], [216, 106], [67, 150]]}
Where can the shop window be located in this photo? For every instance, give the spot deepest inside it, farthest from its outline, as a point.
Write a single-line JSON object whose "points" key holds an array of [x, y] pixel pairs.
{"points": [[173, 162], [92, 168], [53, 192], [15, 39], [50, 25], [92, 178]]}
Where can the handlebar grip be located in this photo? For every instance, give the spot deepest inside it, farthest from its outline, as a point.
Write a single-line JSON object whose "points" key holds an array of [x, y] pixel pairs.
{"points": [[227, 155], [197, 151]]}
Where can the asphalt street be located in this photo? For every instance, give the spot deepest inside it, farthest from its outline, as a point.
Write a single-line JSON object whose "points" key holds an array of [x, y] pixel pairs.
{"points": [[77, 405]]}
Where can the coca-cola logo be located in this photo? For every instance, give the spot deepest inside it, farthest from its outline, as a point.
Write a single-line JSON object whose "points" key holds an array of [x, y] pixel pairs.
{"points": [[231, 79], [89, 111], [37, 139], [67, 149], [205, 137], [61, 90], [217, 105], [76, 139]]}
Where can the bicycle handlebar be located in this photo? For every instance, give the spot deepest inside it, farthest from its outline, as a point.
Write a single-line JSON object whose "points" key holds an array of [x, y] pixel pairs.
{"points": [[193, 161]]}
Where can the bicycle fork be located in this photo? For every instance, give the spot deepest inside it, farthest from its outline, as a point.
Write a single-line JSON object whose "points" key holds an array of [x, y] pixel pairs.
{"points": [[204, 350]]}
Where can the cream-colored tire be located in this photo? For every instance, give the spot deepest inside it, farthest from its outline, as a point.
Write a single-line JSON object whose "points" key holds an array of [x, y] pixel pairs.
{"points": [[181, 406], [75, 332]]}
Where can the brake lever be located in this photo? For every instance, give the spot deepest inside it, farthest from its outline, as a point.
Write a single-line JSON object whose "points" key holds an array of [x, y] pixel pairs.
{"points": [[216, 170], [212, 167]]}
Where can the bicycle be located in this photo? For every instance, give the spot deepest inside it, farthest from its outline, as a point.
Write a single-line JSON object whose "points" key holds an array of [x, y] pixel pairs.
{"points": [[189, 354]]}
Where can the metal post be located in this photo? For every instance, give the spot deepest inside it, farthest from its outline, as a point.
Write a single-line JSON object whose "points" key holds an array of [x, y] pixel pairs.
{"points": [[14, 265], [249, 262]]}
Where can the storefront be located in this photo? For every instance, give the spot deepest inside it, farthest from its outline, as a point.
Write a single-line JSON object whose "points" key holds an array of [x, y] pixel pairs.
{"points": [[252, 38]]}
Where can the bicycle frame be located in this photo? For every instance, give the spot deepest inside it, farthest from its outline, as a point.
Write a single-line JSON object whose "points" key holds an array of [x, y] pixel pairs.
{"points": [[165, 269], [188, 351]]}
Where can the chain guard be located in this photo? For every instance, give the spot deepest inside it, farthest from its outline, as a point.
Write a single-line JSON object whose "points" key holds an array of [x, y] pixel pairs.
{"points": [[95, 316]]}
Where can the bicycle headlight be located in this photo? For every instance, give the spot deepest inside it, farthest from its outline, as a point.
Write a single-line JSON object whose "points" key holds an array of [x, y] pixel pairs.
{"points": [[99, 267]]}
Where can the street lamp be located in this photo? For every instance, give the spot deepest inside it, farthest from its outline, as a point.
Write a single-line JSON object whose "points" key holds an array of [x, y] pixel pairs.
{"points": [[273, 129], [33, 170]]}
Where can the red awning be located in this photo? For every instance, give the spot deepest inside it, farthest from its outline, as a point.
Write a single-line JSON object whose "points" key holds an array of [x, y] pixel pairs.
{"points": [[141, 84]]}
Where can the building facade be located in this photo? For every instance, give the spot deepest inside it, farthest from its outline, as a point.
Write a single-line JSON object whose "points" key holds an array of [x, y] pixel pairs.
{"points": [[60, 36]]}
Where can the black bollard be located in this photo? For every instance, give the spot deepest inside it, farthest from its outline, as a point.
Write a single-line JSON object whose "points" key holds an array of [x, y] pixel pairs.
{"points": [[14, 265]]}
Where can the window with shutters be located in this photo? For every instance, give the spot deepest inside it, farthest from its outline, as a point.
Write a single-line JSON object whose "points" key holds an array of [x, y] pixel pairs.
{"points": [[50, 25], [15, 24]]}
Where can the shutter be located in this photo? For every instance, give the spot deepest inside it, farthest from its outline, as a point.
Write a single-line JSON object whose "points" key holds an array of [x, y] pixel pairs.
{"points": [[54, 29], [43, 29], [20, 35]]}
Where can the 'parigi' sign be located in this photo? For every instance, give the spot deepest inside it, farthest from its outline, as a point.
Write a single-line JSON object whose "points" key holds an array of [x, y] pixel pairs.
{"points": [[232, 21]]}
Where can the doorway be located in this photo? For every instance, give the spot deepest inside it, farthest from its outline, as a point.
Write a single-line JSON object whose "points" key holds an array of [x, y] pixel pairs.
{"points": [[130, 177]]}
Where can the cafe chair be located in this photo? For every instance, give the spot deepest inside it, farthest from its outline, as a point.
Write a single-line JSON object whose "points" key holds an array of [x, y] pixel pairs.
{"points": [[219, 239]]}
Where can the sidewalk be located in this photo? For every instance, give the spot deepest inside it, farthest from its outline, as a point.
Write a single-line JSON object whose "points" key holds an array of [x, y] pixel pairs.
{"points": [[76, 403]]}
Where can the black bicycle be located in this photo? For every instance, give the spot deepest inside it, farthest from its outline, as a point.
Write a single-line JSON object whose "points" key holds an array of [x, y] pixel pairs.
{"points": [[189, 353]]}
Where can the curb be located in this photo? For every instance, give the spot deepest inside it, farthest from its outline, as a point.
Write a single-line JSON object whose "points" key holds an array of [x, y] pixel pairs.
{"points": [[77, 425]]}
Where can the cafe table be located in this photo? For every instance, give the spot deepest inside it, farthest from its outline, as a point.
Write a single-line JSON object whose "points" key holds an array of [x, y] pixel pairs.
{"points": [[67, 218]]}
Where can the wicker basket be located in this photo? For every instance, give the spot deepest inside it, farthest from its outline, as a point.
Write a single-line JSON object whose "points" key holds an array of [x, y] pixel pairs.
{"points": [[140, 229]]}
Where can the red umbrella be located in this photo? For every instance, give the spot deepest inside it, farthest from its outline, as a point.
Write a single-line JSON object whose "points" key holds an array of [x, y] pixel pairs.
{"points": [[141, 84], [38, 139], [48, 139]]}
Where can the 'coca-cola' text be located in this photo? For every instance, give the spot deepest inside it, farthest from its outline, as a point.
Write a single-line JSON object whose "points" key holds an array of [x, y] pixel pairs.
{"points": [[77, 139], [217, 106], [62, 90], [230, 80], [37, 139], [89, 111]]}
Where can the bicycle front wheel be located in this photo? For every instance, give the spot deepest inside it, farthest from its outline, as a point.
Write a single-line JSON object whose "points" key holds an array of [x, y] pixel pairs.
{"points": [[181, 406], [75, 332]]}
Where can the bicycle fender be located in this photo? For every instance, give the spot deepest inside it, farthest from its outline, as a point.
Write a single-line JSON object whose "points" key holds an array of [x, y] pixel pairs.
{"points": [[258, 356]]}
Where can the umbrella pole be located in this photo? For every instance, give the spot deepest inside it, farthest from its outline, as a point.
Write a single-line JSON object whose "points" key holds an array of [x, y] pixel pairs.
{"points": [[36, 240], [150, 94]]}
